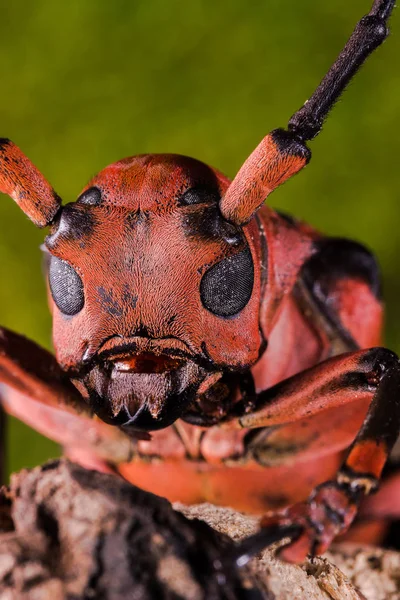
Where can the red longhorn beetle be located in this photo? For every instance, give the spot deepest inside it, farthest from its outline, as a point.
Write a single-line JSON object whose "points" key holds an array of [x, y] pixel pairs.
{"points": [[246, 342]]}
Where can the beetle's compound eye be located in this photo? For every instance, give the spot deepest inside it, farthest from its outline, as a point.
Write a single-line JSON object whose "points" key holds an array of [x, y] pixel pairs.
{"points": [[66, 287], [226, 287]]}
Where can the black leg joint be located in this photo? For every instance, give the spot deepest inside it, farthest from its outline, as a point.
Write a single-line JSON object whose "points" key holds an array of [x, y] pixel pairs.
{"points": [[382, 423]]}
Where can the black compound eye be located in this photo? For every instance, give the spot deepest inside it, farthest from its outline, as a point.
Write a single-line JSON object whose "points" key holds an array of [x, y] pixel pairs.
{"points": [[227, 286], [66, 287]]}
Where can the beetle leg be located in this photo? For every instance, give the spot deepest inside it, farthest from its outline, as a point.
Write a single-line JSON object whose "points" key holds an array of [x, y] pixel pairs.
{"points": [[331, 508], [282, 154], [35, 389], [333, 383]]}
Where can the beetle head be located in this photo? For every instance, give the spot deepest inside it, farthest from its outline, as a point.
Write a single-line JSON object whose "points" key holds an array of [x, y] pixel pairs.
{"points": [[154, 294], [152, 291]]}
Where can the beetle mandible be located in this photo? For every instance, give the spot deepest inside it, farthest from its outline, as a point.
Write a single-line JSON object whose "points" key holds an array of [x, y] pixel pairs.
{"points": [[231, 352]]}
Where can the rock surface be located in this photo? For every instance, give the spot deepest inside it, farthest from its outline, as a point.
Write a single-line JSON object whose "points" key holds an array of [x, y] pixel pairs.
{"points": [[66, 532], [347, 572]]}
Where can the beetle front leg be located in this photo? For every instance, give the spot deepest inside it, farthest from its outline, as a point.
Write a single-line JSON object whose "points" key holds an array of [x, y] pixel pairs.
{"points": [[333, 505], [35, 389]]}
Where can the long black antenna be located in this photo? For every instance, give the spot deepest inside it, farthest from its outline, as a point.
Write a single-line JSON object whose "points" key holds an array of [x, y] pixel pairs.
{"points": [[369, 33]]}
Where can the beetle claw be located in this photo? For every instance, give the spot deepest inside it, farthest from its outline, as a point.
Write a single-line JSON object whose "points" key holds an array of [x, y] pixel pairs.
{"points": [[309, 526], [264, 538]]}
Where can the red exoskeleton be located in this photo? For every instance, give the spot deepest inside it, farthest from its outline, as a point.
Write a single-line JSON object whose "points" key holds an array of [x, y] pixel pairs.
{"points": [[207, 347]]}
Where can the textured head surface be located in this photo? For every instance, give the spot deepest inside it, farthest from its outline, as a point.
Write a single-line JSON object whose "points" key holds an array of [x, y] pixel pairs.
{"points": [[145, 261]]}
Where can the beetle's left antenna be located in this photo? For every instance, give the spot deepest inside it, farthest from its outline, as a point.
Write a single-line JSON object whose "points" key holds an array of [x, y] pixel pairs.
{"points": [[284, 153], [20, 179]]}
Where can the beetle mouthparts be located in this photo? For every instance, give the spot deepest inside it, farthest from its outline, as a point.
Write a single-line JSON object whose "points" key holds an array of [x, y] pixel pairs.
{"points": [[147, 362]]}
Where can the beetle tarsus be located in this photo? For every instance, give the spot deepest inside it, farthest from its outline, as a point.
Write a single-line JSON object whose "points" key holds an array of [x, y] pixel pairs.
{"points": [[263, 539]]}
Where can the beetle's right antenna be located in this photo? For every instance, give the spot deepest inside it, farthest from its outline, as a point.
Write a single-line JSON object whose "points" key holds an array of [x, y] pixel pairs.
{"points": [[21, 180], [282, 154], [369, 33]]}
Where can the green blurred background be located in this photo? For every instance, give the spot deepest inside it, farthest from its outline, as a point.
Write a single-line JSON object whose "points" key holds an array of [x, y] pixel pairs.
{"points": [[85, 83]]}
